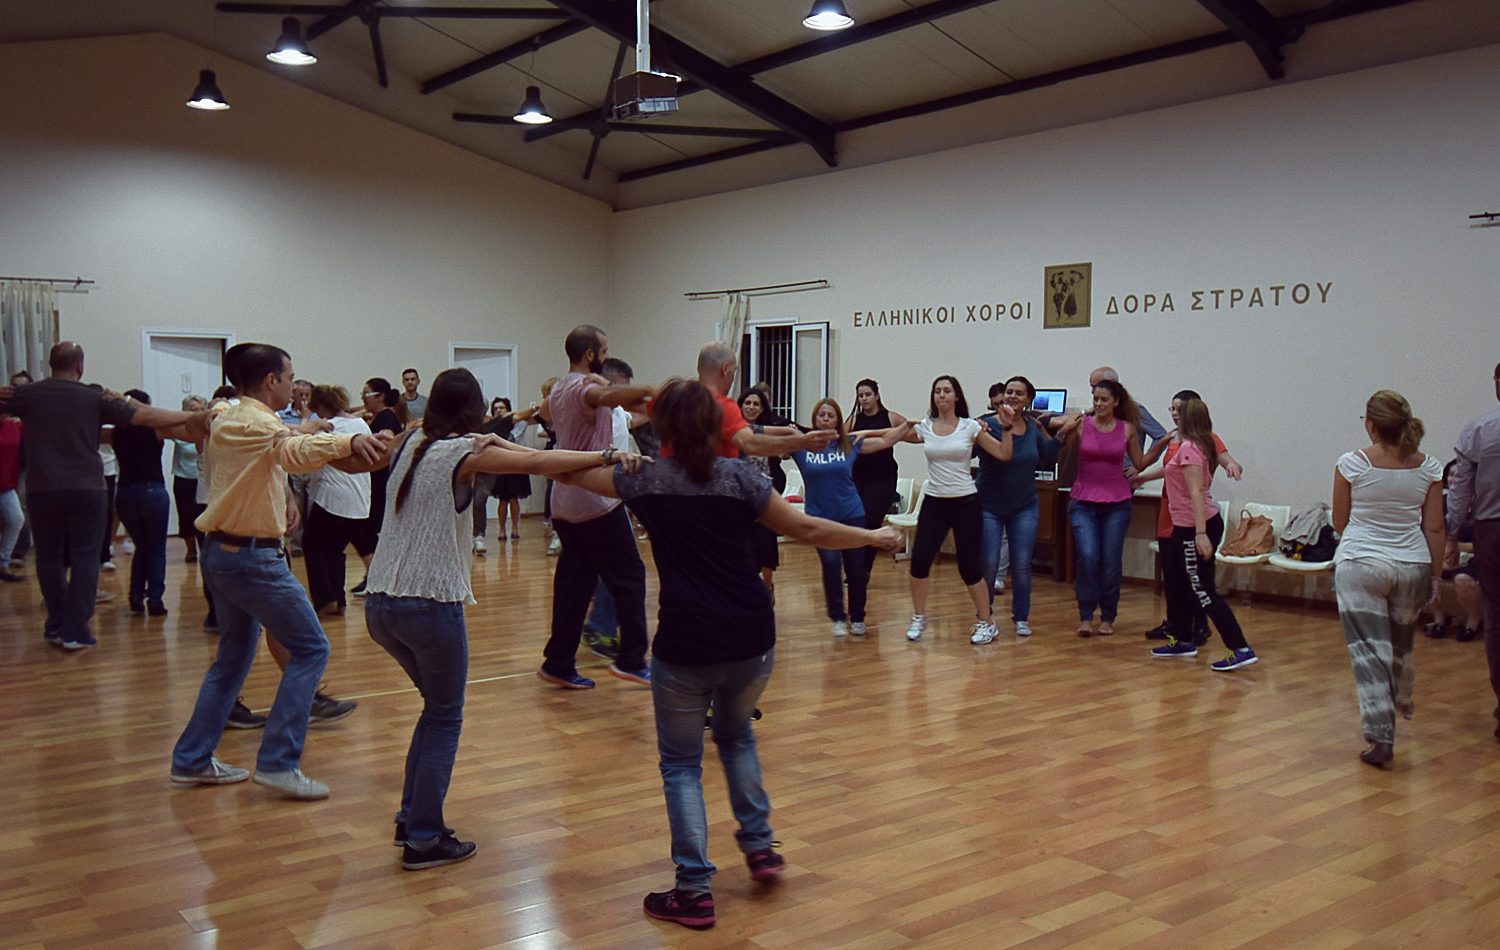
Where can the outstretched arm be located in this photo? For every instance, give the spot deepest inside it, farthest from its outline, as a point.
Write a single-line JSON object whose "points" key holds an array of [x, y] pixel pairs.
{"points": [[878, 440], [760, 443], [782, 518], [507, 458]]}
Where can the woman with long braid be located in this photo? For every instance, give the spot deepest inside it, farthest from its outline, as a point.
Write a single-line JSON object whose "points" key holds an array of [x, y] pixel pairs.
{"points": [[419, 584]]}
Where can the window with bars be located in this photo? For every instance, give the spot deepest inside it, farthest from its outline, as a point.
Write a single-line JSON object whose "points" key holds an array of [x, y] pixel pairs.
{"points": [[790, 358]]}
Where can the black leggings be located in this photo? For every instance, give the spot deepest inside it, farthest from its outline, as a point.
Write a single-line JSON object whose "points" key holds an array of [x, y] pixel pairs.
{"points": [[876, 494], [1189, 581], [962, 515]]}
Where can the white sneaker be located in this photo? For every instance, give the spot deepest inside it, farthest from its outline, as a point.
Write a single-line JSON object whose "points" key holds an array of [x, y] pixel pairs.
{"points": [[1023, 629], [857, 628], [217, 773], [107, 566], [918, 624], [840, 629], [479, 547], [292, 783], [984, 632], [554, 547], [129, 546]]}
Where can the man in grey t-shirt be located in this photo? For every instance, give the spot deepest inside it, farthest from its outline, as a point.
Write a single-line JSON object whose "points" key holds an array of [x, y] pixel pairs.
{"points": [[65, 494], [416, 403], [1474, 492]]}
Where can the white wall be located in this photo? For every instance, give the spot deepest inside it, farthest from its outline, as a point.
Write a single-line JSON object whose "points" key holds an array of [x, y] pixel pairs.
{"points": [[360, 246], [1364, 180]]}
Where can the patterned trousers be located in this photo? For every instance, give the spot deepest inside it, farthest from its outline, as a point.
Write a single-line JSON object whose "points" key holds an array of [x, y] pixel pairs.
{"points": [[1378, 605]]}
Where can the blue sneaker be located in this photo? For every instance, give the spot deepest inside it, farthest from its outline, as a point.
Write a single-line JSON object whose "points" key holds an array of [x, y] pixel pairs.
{"points": [[642, 675], [1233, 661], [571, 681], [1176, 647]]}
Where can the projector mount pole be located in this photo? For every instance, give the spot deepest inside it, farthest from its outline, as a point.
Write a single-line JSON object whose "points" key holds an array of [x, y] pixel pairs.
{"points": [[643, 36]]}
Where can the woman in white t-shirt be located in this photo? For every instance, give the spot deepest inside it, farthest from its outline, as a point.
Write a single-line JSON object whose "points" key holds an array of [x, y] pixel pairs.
{"points": [[1388, 511], [338, 510], [950, 500]]}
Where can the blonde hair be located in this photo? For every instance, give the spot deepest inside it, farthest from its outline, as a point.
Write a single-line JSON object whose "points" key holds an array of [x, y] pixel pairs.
{"points": [[1390, 414], [547, 386]]}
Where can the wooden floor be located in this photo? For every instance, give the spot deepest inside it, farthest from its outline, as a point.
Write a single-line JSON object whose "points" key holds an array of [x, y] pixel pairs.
{"points": [[1053, 792]]}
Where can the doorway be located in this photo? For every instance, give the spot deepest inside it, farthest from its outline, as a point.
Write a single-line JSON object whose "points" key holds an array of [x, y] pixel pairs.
{"points": [[177, 363], [494, 365]]}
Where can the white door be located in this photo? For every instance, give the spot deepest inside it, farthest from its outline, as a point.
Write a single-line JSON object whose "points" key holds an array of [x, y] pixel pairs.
{"points": [[175, 364], [494, 366]]}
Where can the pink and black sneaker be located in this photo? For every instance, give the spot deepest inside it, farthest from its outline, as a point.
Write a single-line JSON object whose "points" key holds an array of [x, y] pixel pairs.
{"points": [[679, 907], [765, 865]]}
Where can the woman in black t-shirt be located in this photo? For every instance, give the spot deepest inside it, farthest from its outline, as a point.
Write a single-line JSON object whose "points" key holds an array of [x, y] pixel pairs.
{"points": [[716, 629], [385, 411], [874, 472], [142, 502]]}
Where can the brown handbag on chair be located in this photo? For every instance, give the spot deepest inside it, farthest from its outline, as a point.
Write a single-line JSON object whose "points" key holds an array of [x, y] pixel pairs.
{"points": [[1253, 535]]}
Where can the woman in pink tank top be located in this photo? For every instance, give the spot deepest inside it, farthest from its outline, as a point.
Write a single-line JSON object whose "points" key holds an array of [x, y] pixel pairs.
{"points": [[1099, 509]]}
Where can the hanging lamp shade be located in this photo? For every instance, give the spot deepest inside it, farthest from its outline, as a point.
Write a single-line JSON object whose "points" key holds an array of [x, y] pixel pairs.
{"points": [[207, 96], [828, 15], [532, 112], [291, 49]]}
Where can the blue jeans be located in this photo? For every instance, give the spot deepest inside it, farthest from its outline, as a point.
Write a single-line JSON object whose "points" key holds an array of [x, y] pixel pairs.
{"points": [[251, 587], [838, 565], [602, 618], [428, 638], [1099, 544], [143, 511], [11, 519], [1020, 530], [683, 696]]}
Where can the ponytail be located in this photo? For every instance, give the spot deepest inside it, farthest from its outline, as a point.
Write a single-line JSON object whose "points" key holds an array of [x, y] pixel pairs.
{"points": [[455, 406], [1390, 415]]}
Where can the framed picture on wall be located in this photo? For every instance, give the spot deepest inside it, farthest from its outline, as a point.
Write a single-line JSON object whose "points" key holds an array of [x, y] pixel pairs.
{"points": [[1069, 295]]}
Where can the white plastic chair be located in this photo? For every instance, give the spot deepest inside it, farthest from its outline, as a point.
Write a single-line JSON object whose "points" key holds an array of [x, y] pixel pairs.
{"points": [[904, 500], [907, 520], [1279, 515]]}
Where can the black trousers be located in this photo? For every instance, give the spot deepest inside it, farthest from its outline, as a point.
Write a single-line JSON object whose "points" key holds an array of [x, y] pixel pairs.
{"points": [[185, 493], [876, 494], [940, 515], [1189, 584], [67, 526], [602, 549], [1487, 561], [324, 538]]}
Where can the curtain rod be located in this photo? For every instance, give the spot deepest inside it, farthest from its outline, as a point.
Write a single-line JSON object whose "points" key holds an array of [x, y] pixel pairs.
{"points": [[795, 287], [1490, 215], [74, 281]]}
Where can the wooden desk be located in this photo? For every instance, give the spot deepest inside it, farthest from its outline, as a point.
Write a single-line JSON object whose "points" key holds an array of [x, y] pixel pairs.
{"points": [[1054, 532]]}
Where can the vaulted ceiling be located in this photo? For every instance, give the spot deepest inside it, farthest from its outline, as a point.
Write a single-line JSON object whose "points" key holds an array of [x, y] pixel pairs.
{"points": [[763, 98]]}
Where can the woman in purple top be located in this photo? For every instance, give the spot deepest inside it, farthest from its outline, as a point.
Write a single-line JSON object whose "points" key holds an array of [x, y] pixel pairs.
{"points": [[1099, 509]]}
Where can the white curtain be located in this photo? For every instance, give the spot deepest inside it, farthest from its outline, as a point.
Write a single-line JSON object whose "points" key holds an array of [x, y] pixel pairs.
{"points": [[736, 313], [28, 327]]}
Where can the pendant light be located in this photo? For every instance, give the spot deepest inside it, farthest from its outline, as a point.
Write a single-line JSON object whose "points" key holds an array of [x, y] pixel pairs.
{"points": [[207, 96], [291, 49], [828, 15], [532, 112]]}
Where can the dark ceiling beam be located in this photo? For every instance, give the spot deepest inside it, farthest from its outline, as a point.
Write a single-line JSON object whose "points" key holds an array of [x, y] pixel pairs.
{"points": [[504, 55], [859, 33], [714, 131], [711, 157], [346, 12], [1258, 28], [619, 21], [430, 13], [602, 128], [377, 48]]}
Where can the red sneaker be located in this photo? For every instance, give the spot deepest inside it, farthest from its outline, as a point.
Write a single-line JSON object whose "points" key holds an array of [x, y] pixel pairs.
{"points": [[690, 910], [765, 865]]}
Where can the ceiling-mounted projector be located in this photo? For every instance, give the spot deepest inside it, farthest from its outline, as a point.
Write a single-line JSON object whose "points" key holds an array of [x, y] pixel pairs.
{"points": [[642, 95]]}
